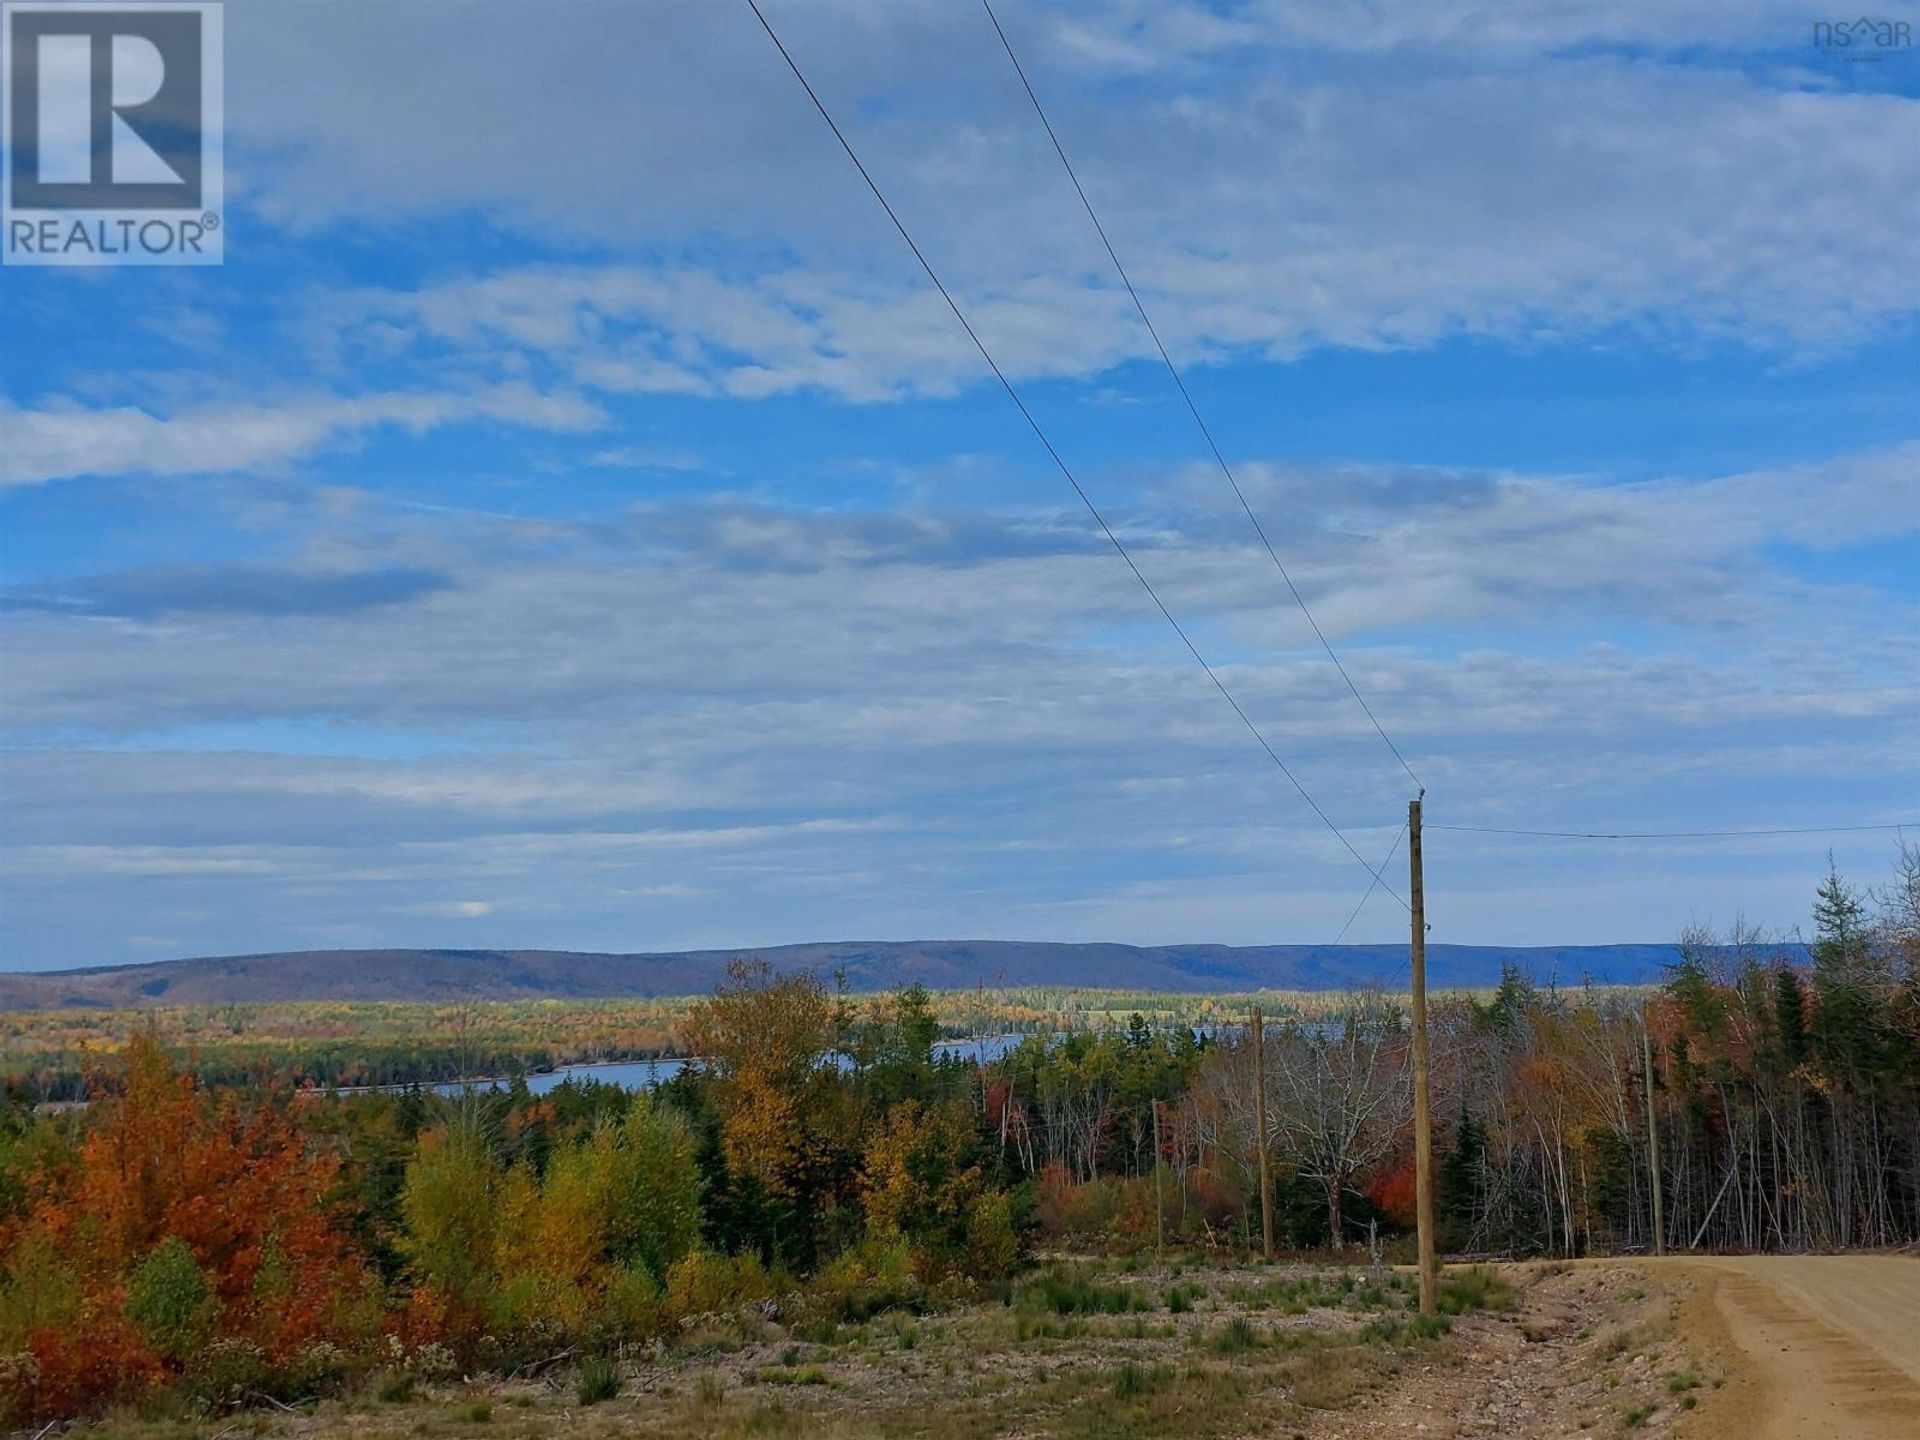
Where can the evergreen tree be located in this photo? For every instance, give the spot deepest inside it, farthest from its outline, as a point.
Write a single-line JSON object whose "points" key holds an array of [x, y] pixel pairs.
{"points": [[1462, 1184], [1511, 1002], [1845, 1022], [1790, 1016], [1841, 937]]}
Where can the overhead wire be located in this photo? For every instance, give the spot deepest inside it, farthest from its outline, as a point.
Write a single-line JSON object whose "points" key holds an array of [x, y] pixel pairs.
{"points": [[1053, 453], [1671, 834], [1193, 409], [1226, 470], [1370, 889]]}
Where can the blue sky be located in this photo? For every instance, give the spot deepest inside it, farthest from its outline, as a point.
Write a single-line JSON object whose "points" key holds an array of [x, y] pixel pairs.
{"points": [[568, 519]]}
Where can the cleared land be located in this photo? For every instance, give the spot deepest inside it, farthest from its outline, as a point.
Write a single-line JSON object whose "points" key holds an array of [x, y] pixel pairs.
{"points": [[1753, 1348], [1095, 1351]]}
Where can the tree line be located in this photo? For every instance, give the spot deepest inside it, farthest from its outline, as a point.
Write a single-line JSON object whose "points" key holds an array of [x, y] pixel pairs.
{"points": [[222, 1243]]}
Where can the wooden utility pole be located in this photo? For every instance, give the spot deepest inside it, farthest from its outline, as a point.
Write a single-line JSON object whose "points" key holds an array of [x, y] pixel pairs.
{"points": [[1653, 1136], [1159, 1189], [1260, 1131], [1422, 1092]]}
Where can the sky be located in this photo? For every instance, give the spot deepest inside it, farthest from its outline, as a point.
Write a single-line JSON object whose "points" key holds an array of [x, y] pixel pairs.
{"points": [[570, 519]]}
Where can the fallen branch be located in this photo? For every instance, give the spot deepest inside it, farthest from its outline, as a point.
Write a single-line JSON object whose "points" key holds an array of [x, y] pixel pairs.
{"points": [[293, 1409], [1731, 1172], [541, 1365]]}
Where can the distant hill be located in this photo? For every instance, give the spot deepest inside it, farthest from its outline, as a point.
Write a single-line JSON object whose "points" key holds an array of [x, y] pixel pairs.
{"points": [[367, 975]]}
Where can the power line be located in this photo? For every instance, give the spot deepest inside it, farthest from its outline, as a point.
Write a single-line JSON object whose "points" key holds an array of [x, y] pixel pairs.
{"points": [[1675, 834], [1370, 889], [1041, 436], [1192, 409]]}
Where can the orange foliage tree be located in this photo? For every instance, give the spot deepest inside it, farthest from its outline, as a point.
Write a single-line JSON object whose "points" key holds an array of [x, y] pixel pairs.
{"points": [[173, 1211]]}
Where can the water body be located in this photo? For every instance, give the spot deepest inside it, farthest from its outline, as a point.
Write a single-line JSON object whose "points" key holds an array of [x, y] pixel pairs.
{"points": [[645, 1074]]}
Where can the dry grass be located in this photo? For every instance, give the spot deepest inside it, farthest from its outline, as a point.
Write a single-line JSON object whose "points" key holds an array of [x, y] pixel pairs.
{"points": [[1085, 1351]]}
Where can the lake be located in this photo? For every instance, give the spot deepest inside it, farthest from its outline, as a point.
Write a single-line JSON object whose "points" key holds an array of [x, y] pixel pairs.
{"points": [[645, 1074]]}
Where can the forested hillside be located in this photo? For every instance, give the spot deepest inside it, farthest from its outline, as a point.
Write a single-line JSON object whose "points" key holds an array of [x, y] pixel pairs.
{"points": [[453, 976], [227, 1243]]}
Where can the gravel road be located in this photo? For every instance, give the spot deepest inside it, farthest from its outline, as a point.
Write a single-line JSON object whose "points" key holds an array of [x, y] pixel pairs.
{"points": [[1820, 1346]]}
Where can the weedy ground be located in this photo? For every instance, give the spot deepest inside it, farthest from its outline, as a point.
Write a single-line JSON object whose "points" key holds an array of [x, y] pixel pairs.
{"points": [[1090, 1350]]}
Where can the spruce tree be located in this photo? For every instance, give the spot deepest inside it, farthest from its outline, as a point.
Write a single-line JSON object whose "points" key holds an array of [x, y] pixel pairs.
{"points": [[1790, 1016], [1840, 940], [1462, 1185], [1845, 1025]]}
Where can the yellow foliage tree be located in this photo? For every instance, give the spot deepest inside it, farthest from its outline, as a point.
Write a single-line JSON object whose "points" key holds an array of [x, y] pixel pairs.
{"points": [[917, 1186], [765, 1038]]}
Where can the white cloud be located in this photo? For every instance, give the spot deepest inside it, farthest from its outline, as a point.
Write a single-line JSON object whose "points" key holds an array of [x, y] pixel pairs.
{"points": [[736, 721], [1475, 173], [731, 723], [457, 909], [55, 442], [928, 616]]}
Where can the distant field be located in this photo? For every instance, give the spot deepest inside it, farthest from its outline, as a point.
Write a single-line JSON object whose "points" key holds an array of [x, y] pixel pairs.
{"points": [[47, 1054]]}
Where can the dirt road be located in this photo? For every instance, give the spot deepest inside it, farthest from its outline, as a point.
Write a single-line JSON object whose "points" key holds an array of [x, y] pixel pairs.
{"points": [[1818, 1346]]}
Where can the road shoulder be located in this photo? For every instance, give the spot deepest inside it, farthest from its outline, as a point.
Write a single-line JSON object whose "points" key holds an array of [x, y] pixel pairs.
{"points": [[1793, 1373]]}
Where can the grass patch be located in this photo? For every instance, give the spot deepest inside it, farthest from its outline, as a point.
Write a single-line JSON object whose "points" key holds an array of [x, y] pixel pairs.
{"points": [[1332, 1377], [1044, 1327], [393, 1387], [1132, 1381], [1405, 1330], [1132, 1403], [1072, 1292], [1479, 1287], [1236, 1337], [599, 1380], [769, 1419], [792, 1375]]}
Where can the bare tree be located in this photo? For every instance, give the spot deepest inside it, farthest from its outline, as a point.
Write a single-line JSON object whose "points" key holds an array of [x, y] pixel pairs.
{"points": [[1338, 1095], [1899, 904]]}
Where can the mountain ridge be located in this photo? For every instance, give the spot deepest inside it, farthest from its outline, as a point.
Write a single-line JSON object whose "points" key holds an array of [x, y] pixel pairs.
{"points": [[506, 974]]}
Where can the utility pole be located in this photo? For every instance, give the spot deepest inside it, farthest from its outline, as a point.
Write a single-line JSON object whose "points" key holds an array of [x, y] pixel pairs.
{"points": [[1159, 1189], [1260, 1131], [1422, 1092], [1653, 1136]]}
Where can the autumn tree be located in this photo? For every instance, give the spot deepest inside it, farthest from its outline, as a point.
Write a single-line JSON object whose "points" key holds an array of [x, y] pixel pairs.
{"points": [[449, 1204], [652, 1194], [1338, 1097], [924, 1182], [766, 1039], [178, 1218]]}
